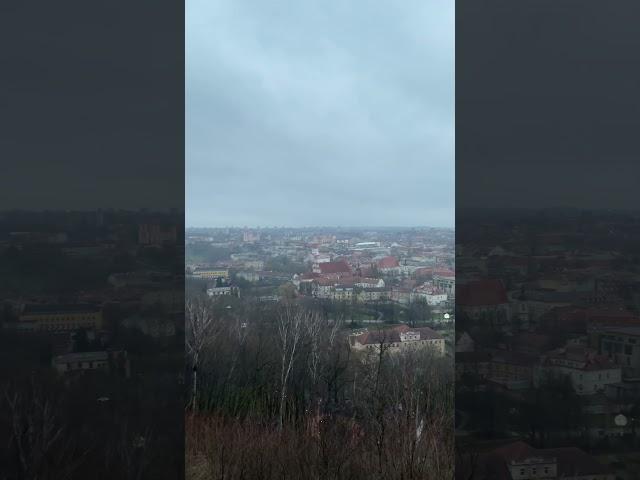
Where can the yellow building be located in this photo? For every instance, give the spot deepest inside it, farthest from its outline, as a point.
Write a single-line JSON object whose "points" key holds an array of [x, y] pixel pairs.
{"points": [[61, 317], [211, 273]]}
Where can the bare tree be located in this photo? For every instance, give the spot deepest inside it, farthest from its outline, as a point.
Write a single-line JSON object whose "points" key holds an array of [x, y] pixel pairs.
{"points": [[202, 329], [314, 329], [291, 323], [37, 434], [129, 452], [240, 329]]}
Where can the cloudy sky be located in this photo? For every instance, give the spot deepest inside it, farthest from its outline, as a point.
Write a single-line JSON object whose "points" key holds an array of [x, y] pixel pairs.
{"points": [[325, 112]]}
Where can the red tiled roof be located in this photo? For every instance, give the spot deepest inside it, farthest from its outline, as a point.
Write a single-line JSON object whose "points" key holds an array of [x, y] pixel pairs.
{"points": [[444, 272], [592, 361], [577, 318], [309, 275], [515, 451], [423, 271], [388, 262], [481, 293], [570, 461], [612, 318], [334, 267], [325, 282]]}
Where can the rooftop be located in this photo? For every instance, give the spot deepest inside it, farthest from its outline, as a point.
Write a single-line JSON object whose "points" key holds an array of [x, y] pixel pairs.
{"points": [[39, 309]]}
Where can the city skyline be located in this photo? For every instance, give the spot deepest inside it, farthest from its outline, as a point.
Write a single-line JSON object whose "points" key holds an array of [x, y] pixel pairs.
{"points": [[303, 116]]}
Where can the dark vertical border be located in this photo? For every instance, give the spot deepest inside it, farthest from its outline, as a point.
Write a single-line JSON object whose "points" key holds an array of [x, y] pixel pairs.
{"points": [[547, 222], [91, 239]]}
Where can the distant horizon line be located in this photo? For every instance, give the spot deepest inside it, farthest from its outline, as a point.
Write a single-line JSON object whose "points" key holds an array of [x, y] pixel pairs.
{"points": [[304, 227]]}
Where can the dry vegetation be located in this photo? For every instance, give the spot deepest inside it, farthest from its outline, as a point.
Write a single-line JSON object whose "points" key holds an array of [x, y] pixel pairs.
{"points": [[280, 395]]}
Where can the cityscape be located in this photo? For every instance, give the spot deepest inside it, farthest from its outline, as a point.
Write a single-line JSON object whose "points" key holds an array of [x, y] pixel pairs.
{"points": [[354, 330], [92, 344], [331, 240], [547, 328]]}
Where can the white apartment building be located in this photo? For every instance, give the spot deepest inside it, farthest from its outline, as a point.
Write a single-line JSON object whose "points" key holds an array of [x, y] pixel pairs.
{"points": [[588, 371]]}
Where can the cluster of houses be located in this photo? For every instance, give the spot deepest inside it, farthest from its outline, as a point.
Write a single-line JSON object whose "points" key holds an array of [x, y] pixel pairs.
{"points": [[402, 267], [340, 280], [532, 320]]}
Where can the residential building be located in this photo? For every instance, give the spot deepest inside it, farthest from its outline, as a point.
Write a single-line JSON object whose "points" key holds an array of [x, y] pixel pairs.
{"points": [[157, 235], [389, 265], [476, 364], [333, 269], [445, 281], [225, 290], [211, 273], [621, 345], [398, 339], [61, 317], [520, 461], [484, 301], [589, 372], [513, 370], [106, 361]]}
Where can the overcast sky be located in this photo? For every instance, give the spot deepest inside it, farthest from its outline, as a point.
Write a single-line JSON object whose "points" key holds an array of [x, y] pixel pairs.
{"points": [[325, 112]]}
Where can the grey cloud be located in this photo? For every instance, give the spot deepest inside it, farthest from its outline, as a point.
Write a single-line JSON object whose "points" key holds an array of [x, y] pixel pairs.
{"points": [[320, 113]]}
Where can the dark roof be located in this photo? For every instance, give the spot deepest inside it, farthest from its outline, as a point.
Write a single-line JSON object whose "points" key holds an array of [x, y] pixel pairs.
{"points": [[570, 461], [532, 341], [514, 358], [472, 357], [36, 309], [481, 293], [578, 353]]}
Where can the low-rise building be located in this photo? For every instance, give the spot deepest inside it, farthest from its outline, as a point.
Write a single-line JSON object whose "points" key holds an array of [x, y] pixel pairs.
{"points": [[54, 318], [430, 294], [224, 290], [401, 295], [445, 280], [211, 273], [249, 276], [389, 265], [398, 339], [518, 460], [589, 372], [485, 302], [476, 364], [513, 370], [621, 345], [106, 361]]}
